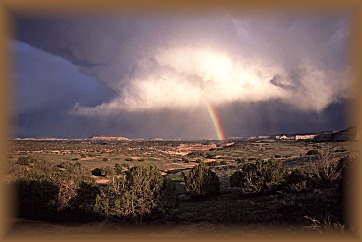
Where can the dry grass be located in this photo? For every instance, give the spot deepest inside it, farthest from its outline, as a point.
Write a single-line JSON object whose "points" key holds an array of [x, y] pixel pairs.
{"points": [[325, 226], [326, 170]]}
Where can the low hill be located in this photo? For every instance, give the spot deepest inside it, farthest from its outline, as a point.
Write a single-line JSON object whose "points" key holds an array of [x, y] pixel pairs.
{"points": [[348, 134]]}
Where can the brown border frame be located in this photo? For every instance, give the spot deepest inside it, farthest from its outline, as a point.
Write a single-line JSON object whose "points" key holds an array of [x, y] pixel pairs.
{"points": [[44, 7]]}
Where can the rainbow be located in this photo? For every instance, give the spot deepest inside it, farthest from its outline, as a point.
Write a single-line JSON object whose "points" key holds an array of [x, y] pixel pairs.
{"points": [[215, 121]]}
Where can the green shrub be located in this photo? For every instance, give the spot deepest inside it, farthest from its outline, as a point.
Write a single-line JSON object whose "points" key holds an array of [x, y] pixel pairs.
{"points": [[110, 199], [240, 161], [168, 197], [185, 160], [74, 168], [16, 170], [145, 175], [108, 171], [210, 156], [91, 154], [236, 179], [137, 194], [198, 160], [96, 172], [64, 165], [43, 195], [202, 181], [36, 198], [313, 152], [22, 160], [85, 198], [67, 189], [195, 154], [295, 180], [258, 176], [40, 168], [105, 159], [104, 171], [26, 160], [45, 192], [118, 169]]}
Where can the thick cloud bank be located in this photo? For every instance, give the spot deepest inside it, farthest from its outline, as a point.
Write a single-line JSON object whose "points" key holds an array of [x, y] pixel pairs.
{"points": [[169, 65]]}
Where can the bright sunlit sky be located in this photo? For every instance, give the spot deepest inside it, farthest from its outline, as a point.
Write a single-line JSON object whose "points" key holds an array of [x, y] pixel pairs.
{"points": [[153, 75]]}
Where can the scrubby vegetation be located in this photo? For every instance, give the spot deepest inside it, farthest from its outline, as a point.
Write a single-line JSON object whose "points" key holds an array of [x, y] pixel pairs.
{"points": [[312, 152], [327, 170], [262, 184], [66, 191], [270, 175], [118, 169], [140, 192], [202, 181], [26, 160], [106, 171], [258, 176], [54, 192], [295, 180]]}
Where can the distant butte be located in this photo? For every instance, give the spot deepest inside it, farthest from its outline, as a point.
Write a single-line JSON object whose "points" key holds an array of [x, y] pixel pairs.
{"points": [[107, 138]]}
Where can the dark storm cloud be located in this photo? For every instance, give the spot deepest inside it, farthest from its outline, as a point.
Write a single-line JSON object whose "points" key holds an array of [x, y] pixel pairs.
{"points": [[46, 87], [274, 117], [157, 72], [43, 80]]}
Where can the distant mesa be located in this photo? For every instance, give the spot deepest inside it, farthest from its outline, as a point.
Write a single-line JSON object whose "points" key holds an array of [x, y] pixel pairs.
{"points": [[42, 139], [349, 134], [103, 137], [156, 139]]}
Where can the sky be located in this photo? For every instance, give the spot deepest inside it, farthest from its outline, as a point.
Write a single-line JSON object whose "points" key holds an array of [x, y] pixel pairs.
{"points": [[154, 76]]}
